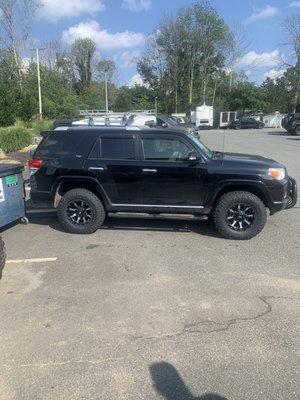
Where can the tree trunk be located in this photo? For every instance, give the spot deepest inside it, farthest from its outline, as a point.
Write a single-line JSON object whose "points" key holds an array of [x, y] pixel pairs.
{"points": [[230, 81], [214, 92], [191, 84]]}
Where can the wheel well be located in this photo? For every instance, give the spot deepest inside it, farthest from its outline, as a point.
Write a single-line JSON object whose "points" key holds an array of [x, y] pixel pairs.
{"points": [[65, 187], [247, 188]]}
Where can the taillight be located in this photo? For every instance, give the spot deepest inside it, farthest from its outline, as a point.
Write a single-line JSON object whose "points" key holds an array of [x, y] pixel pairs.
{"points": [[35, 164]]}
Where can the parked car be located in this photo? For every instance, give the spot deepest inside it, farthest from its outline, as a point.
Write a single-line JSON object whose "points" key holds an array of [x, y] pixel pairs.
{"points": [[291, 123], [246, 123], [88, 173], [160, 121]]}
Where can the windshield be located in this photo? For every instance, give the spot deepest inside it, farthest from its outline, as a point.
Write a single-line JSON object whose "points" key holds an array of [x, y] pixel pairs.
{"points": [[200, 145], [171, 121]]}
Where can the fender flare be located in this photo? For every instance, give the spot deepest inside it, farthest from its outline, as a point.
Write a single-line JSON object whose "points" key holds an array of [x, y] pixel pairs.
{"points": [[77, 178], [259, 187]]}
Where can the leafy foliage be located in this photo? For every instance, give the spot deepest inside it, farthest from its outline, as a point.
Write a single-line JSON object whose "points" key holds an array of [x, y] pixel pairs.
{"points": [[15, 138]]}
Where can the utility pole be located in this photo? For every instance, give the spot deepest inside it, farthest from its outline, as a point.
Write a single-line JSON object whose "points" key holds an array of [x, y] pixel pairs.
{"points": [[106, 93], [37, 50], [156, 106]]}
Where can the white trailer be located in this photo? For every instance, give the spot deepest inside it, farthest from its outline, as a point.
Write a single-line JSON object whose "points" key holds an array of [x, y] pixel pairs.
{"points": [[204, 116], [226, 117]]}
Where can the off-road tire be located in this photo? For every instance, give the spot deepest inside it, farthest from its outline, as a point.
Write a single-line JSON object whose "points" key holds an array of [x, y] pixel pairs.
{"points": [[2, 256], [97, 211], [297, 131], [229, 200]]}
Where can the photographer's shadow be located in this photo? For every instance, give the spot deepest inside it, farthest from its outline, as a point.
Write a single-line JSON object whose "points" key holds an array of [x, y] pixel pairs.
{"points": [[169, 384]]}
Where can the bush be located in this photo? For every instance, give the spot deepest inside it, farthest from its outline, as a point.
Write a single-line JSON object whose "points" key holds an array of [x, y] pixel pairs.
{"points": [[39, 126], [15, 138]]}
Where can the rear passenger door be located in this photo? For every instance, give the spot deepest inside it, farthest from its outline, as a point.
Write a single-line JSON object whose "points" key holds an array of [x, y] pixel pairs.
{"points": [[113, 162]]}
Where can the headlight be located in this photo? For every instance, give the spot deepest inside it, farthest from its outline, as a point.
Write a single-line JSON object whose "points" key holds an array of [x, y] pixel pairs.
{"points": [[277, 173]]}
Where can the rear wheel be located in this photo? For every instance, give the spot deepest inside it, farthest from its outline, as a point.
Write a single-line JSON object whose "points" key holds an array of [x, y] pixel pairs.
{"points": [[240, 215], [80, 211]]}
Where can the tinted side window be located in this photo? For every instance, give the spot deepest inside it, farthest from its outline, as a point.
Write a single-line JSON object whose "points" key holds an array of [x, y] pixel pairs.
{"points": [[165, 149], [118, 148], [60, 144]]}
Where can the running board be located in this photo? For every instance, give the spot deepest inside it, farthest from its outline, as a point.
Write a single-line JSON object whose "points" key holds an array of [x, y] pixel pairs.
{"points": [[189, 217]]}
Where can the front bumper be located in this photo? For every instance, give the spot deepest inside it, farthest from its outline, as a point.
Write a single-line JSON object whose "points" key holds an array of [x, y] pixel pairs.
{"points": [[282, 195], [291, 193]]}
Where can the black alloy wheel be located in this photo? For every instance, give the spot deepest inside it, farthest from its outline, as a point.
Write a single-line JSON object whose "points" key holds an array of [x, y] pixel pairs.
{"points": [[240, 217], [79, 212]]}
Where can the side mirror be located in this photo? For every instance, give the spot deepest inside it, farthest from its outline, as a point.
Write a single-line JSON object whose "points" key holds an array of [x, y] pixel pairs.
{"points": [[194, 156], [164, 125]]}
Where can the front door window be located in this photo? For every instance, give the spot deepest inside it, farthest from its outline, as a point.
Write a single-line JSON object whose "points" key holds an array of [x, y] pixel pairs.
{"points": [[165, 150]]}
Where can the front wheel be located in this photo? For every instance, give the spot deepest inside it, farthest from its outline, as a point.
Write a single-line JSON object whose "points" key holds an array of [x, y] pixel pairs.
{"points": [[80, 211], [240, 215], [297, 131]]}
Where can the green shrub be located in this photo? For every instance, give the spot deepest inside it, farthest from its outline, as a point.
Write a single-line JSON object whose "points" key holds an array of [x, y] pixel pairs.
{"points": [[39, 126], [15, 138]]}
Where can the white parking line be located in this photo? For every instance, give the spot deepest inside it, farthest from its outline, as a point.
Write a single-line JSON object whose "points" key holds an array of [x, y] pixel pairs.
{"points": [[31, 260]]}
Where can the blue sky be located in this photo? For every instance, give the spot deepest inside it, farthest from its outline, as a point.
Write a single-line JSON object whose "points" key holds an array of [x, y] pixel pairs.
{"points": [[120, 28]]}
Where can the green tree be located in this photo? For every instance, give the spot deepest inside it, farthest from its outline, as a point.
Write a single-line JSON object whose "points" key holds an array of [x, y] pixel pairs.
{"points": [[183, 53], [245, 96], [83, 52]]}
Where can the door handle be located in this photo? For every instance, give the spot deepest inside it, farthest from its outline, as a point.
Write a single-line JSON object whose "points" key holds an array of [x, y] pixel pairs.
{"points": [[96, 168], [150, 171]]}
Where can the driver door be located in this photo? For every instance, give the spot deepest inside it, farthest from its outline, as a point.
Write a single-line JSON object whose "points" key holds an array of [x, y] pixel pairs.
{"points": [[169, 178]]}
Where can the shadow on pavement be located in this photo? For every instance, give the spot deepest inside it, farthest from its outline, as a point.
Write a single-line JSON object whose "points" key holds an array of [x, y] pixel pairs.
{"points": [[133, 224], [279, 133], [169, 384]]}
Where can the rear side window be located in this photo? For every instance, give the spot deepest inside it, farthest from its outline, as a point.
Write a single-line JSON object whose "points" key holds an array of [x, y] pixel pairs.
{"points": [[118, 148], [61, 144]]}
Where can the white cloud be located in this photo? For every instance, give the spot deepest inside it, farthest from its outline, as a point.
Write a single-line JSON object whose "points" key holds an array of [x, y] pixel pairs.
{"points": [[274, 73], [260, 59], [136, 5], [54, 10], [103, 39], [267, 12], [129, 59], [136, 80], [295, 4]]}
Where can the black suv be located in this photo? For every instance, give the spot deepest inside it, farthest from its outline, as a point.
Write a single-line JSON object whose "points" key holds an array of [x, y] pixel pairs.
{"points": [[87, 173], [291, 123], [246, 123]]}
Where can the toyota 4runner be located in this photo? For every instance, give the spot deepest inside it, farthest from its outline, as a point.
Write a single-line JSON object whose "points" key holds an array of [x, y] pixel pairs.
{"points": [[88, 173]]}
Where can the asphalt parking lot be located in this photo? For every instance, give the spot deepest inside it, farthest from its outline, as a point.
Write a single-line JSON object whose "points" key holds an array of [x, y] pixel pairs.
{"points": [[155, 309]]}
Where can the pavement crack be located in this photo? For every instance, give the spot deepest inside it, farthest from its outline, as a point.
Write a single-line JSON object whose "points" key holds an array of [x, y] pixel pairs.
{"points": [[211, 326]]}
